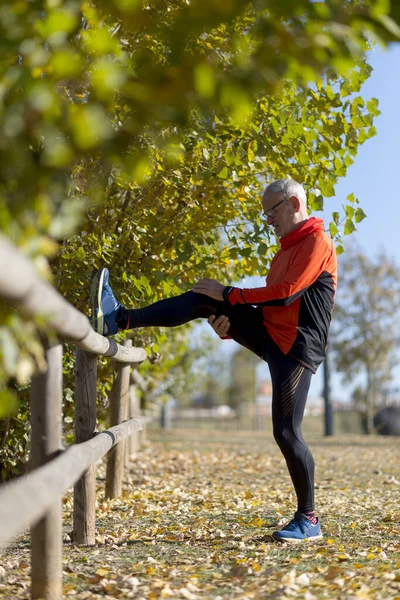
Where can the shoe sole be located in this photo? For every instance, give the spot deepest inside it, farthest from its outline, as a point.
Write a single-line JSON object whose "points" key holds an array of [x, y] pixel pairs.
{"points": [[314, 538], [95, 301]]}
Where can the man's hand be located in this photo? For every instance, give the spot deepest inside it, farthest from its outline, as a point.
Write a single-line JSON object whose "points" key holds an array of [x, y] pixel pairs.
{"points": [[220, 325], [209, 287]]}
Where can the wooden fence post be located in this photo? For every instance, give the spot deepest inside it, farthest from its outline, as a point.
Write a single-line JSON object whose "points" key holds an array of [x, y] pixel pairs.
{"points": [[46, 535], [133, 442], [85, 425], [118, 412]]}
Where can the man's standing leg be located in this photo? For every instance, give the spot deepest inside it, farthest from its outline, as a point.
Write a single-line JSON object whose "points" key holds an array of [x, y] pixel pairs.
{"points": [[291, 383]]}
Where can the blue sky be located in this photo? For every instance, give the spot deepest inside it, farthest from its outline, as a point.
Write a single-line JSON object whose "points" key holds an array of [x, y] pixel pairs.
{"points": [[373, 175], [372, 178]]}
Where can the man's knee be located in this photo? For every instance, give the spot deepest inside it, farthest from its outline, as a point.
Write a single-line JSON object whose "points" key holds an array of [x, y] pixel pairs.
{"points": [[202, 306], [283, 434]]}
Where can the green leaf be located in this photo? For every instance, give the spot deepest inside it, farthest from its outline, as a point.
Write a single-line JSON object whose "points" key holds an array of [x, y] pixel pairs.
{"points": [[8, 403], [363, 136], [317, 203], [333, 230], [348, 161], [360, 215], [372, 106], [90, 126], [204, 80], [349, 227], [250, 154], [229, 156], [57, 22], [327, 189], [223, 174]]}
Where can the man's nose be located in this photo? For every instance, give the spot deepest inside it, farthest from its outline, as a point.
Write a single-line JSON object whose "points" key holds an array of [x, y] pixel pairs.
{"points": [[270, 220]]}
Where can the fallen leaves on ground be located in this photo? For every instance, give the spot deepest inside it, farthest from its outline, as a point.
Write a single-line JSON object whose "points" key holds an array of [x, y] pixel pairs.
{"points": [[196, 518]]}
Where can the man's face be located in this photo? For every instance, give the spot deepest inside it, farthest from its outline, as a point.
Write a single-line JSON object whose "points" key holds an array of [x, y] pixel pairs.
{"points": [[281, 215]]}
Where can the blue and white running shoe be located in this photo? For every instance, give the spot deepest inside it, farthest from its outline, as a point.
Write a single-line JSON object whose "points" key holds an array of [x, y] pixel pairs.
{"points": [[300, 529], [104, 304]]}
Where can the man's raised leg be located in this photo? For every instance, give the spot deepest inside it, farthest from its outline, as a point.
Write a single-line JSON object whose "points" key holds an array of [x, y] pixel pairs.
{"points": [[109, 316]]}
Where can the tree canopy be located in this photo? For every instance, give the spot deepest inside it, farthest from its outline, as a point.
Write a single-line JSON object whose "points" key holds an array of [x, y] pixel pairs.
{"points": [[139, 134]]}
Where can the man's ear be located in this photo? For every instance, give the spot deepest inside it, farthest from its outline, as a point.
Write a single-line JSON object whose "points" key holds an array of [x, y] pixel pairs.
{"points": [[295, 202]]}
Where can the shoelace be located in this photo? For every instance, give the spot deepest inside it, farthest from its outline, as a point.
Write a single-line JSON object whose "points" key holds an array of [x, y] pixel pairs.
{"points": [[304, 525]]}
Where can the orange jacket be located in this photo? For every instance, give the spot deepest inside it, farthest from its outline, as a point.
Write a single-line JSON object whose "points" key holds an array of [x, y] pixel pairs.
{"points": [[298, 298]]}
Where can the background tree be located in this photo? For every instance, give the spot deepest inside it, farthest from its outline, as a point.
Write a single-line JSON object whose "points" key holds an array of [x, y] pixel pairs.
{"points": [[365, 329], [210, 372], [242, 389], [189, 367]]}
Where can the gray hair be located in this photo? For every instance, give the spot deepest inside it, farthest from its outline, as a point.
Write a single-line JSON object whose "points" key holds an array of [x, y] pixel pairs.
{"points": [[288, 187]]}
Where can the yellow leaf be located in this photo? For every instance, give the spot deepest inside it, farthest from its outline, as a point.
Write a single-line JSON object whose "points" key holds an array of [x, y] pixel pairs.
{"points": [[256, 522], [102, 572]]}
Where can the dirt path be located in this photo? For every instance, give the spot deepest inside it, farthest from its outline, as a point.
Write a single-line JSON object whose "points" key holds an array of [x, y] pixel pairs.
{"points": [[197, 515]]}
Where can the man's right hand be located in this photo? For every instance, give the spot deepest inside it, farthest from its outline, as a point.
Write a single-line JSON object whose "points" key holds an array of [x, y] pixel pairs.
{"points": [[220, 325]]}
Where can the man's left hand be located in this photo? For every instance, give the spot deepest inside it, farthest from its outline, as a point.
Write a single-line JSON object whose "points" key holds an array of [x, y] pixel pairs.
{"points": [[209, 287]]}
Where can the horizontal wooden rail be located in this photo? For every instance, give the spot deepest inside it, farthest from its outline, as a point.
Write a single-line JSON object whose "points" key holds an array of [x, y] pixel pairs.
{"points": [[26, 500], [24, 289], [35, 499], [138, 380]]}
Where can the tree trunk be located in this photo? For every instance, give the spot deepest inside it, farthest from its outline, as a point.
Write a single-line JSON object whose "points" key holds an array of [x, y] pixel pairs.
{"points": [[370, 401]]}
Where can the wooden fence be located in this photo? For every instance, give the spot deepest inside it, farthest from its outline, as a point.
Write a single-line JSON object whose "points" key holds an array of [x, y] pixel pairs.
{"points": [[36, 499]]}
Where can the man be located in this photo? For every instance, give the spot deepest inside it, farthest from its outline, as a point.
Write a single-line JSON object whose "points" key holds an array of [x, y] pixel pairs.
{"points": [[285, 322]]}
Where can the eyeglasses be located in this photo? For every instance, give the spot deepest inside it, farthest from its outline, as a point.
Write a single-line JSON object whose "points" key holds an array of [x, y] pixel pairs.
{"points": [[271, 212]]}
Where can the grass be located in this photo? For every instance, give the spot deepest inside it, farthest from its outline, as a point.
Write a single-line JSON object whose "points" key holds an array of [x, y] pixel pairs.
{"points": [[196, 518]]}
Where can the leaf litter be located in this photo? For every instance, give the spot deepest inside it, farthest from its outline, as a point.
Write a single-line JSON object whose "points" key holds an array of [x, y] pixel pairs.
{"points": [[196, 517]]}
